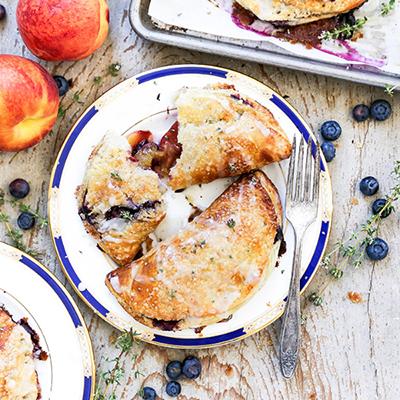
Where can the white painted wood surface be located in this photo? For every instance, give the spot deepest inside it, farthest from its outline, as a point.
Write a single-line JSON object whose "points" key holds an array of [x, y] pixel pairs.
{"points": [[350, 351]]}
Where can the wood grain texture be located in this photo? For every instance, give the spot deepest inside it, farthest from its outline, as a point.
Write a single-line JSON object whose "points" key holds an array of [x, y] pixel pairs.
{"points": [[350, 351]]}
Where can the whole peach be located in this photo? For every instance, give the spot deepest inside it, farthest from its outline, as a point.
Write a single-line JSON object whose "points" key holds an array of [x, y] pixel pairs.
{"points": [[28, 103], [61, 30]]}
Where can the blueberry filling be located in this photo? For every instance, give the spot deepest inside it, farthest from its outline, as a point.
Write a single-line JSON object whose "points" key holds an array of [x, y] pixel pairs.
{"points": [[279, 235], [38, 352], [165, 325], [86, 213], [130, 212], [239, 98]]}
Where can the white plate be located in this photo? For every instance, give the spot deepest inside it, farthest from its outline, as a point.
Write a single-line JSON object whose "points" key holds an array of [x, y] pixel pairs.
{"points": [[29, 290], [141, 102]]}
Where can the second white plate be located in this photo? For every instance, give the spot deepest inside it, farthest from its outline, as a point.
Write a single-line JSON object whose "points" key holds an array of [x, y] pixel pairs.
{"points": [[29, 290]]}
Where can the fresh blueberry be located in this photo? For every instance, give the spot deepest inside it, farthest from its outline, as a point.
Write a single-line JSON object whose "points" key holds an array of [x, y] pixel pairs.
{"points": [[377, 207], [331, 130], [377, 250], [26, 221], [19, 188], [369, 186], [149, 393], [2, 12], [173, 388], [174, 369], [62, 84], [329, 151], [191, 367], [381, 110], [361, 112]]}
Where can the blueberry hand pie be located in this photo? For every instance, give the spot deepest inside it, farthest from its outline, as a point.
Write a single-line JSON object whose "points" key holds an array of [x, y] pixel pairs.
{"points": [[119, 199], [19, 348], [212, 266], [223, 134]]}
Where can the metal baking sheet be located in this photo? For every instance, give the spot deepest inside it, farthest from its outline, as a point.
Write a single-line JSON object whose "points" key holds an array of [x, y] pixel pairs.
{"points": [[259, 52]]}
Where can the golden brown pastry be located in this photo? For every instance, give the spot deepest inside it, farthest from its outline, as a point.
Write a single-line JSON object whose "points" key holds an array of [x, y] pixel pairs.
{"points": [[18, 377], [119, 200], [223, 134], [295, 12], [211, 267]]}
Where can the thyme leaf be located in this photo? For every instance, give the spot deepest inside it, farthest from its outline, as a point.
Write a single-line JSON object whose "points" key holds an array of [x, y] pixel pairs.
{"points": [[114, 69], [116, 176], [387, 8], [389, 89]]}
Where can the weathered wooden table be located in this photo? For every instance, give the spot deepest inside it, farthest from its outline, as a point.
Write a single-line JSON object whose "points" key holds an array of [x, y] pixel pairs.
{"points": [[350, 351]]}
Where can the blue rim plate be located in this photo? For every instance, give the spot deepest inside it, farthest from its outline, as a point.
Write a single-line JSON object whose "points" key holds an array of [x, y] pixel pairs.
{"points": [[134, 102], [29, 290]]}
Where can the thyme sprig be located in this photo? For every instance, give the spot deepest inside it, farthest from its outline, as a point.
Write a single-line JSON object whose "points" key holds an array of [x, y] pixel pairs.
{"points": [[351, 252], [389, 89], [344, 31], [387, 8], [111, 379]]}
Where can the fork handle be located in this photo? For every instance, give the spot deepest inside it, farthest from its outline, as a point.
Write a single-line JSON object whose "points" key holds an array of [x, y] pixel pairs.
{"points": [[290, 330]]}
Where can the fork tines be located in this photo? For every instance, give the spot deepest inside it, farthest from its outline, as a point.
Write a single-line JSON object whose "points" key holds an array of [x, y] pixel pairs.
{"points": [[304, 172]]}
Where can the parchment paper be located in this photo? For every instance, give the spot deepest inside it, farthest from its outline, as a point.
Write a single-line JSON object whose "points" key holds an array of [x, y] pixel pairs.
{"points": [[379, 47]]}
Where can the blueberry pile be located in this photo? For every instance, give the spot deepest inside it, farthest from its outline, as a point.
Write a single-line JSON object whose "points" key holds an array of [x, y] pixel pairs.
{"points": [[190, 368], [378, 248], [330, 131], [380, 110], [19, 189]]}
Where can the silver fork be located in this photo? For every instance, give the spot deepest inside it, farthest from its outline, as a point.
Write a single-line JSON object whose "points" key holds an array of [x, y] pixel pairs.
{"points": [[301, 210]]}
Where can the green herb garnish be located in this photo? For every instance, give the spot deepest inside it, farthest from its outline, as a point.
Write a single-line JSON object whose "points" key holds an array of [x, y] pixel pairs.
{"points": [[344, 31], [389, 89], [126, 215], [76, 97], [352, 250], [111, 379], [387, 8], [15, 235], [42, 221], [231, 223], [114, 69], [61, 111], [116, 176]]}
